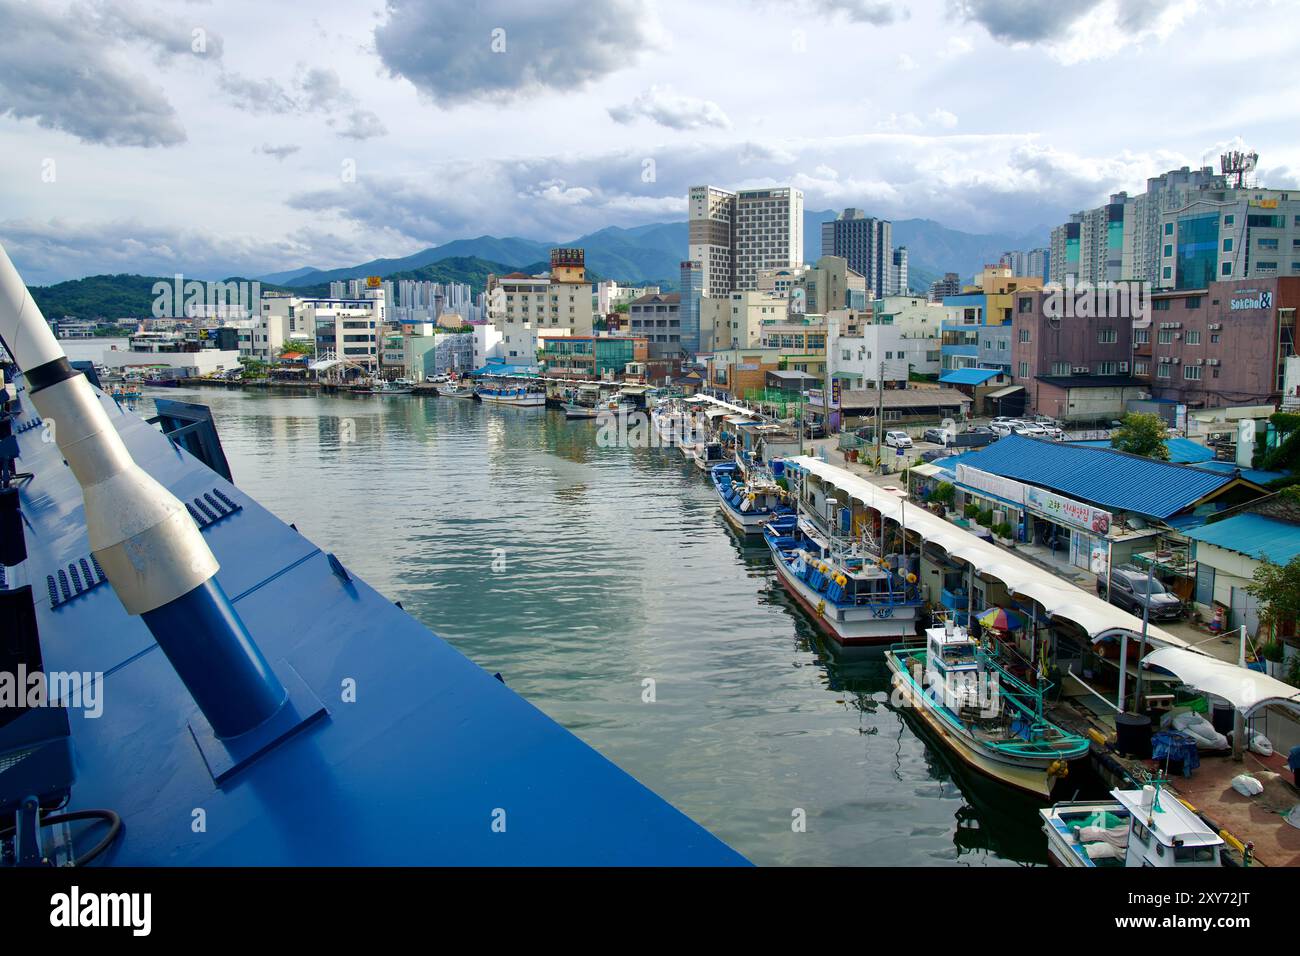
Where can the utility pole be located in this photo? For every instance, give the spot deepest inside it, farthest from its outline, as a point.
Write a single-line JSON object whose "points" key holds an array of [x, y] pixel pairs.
{"points": [[1142, 645], [880, 414]]}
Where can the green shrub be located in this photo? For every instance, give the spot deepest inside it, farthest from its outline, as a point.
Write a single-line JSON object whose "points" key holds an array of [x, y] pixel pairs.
{"points": [[985, 517], [944, 493], [1003, 530], [972, 510]]}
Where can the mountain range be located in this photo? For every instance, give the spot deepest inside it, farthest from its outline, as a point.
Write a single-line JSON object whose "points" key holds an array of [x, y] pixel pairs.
{"points": [[652, 253], [648, 254]]}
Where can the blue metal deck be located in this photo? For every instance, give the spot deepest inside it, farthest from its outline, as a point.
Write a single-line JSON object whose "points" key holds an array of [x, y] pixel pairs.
{"points": [[415, 771]]}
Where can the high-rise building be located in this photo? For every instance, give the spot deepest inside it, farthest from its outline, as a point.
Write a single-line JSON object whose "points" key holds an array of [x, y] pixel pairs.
{"points": [[1227, 234], [1121, 240], [867, 244], [1034, 263], [692, 286], [735, 236], [898, 285], [712, 214]]}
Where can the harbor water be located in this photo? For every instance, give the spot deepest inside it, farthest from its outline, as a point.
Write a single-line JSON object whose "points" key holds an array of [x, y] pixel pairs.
{"points": [[603, 585]]}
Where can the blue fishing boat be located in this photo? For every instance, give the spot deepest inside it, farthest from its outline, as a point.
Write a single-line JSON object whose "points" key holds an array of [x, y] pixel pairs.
{"points": [[831, 556], [748, 503], [233, 695], [989, 718]]}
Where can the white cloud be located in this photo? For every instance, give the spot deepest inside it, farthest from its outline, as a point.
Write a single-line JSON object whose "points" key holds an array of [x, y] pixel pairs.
{"points": [[662, 106]]}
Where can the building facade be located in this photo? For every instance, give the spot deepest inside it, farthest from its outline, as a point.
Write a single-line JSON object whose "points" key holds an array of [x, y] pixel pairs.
{"points": [[866, 243], [657, 319], [735, 236], [1225, 345]]}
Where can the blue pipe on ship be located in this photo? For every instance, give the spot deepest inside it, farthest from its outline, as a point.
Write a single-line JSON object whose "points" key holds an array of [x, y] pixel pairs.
{"points": [[152, 552]]}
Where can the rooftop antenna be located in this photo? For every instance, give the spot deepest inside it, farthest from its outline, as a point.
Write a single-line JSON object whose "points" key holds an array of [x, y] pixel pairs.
{"points": [[1239, 164]]}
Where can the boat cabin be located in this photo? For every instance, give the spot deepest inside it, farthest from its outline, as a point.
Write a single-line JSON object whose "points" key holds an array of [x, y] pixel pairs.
{"points": [[1164, 832]]}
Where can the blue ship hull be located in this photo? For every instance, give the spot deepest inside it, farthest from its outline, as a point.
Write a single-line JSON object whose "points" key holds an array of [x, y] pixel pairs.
{"points": [[418, 756]]}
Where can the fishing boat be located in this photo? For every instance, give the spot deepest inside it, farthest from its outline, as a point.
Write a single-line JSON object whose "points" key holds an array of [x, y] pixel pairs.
{"points": [[582, 402], [383, 387], [1137, 828], [750, 503], [852, 593], [517, 396], [709, 453], [986, 716], [126, 393], [456, 389]]}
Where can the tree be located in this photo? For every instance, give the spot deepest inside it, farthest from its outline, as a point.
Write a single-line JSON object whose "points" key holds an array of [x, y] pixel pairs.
{"points": [[1277, 588], [301, 346], [1141, 434]]}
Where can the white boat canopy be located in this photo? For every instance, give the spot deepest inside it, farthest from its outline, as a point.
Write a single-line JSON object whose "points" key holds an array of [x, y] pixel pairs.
{"points": [[1097, 618], [1245, 689]]}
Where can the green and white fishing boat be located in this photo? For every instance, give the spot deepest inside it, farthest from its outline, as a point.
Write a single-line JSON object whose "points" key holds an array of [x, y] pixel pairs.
{"points": [[987, 717]]}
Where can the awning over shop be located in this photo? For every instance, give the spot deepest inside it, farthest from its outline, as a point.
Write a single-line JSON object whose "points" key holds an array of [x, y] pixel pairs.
{"points": [[1096, 617], [1004, 392], [1245, 689]]}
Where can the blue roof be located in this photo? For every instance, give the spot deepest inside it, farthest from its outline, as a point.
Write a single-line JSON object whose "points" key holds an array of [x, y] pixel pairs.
{"points": [[1182, 451], [1255, 535], [1109, 478], [969, 376], [1250, 474]]}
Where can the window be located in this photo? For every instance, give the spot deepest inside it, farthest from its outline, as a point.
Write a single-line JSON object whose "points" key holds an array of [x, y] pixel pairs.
{"points": [[1214, 338], [1192, 302], [1141, 368], [1227, 268], [1169, 229], [1162, 371], [1023, 370], [1023, 335], [1229, 219], [1169, 249], [1193, 338], [1141, 336], [1266, 266], [1192, 373], [1107, 368], [1270, 244], [1167, 272], [1060, 368], [1107, 337], [1161, 305], [1227, 244], [1165, 336]]}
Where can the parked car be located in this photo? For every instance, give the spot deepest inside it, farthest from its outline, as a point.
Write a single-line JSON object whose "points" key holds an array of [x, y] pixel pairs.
{"points": [[1005, 426], [814, 430], [898, 440], [1128, 589], [866, 434], [1029, 429], [940, 436], [978, 430]]}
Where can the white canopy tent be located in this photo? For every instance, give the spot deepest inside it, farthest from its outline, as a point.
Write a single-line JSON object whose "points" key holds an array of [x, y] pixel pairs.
{"points": [[1245, 689], [1059, 599]]}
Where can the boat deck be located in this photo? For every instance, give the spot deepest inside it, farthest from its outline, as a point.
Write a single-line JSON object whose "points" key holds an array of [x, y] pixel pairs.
{"points": [[1258, 820]]}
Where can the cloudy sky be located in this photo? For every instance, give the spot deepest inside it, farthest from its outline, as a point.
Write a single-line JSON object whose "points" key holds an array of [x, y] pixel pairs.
{"points": [[241, 137]]}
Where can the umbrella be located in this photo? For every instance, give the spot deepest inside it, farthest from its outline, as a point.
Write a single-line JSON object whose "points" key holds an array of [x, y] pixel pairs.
{"points": [[1001, 620]]}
